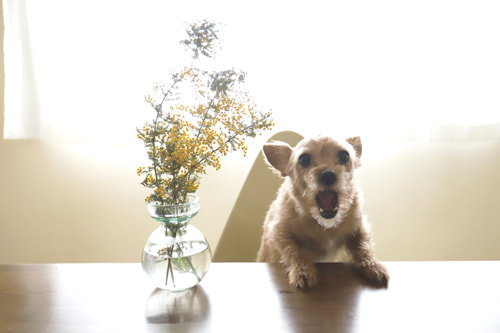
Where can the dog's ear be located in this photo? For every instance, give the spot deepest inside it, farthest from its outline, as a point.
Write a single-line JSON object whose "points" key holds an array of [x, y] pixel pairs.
{"points": [[355, 142], [278, 154]]}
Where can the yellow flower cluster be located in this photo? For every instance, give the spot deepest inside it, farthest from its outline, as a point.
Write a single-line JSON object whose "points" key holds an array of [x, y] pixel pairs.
{"points": [[190, 132]]}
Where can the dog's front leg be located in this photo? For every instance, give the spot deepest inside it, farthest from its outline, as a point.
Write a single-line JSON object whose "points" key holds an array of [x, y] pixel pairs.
{"points": [[360, 246], [301, 271]]}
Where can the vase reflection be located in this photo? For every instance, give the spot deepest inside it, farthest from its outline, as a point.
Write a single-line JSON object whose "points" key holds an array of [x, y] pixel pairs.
{"points": [[187, 306]]}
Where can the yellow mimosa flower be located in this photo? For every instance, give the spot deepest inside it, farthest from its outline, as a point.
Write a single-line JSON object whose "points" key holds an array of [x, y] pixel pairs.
{"points": [[199, 117]]}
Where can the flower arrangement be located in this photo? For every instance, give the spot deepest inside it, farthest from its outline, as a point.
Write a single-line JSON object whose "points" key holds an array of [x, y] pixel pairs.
{"points": [[199, 116]]}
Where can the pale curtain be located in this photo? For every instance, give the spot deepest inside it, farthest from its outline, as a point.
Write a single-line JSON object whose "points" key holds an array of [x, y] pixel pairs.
{"points": [[422, 70]]}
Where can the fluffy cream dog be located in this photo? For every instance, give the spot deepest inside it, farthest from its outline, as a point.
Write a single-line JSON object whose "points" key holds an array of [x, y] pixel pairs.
{"points": [[317, 210]]}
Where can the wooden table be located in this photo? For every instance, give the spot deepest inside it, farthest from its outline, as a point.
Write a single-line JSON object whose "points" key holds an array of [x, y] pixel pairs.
{"points": [[251, 297]]}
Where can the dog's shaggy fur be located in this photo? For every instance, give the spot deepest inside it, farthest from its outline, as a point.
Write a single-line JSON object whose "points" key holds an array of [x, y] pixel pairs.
{"points": [[317, 210]]}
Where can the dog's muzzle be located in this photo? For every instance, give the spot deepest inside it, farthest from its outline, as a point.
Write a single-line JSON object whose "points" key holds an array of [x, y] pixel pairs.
{"points": [[328, 204], [327, 200]]}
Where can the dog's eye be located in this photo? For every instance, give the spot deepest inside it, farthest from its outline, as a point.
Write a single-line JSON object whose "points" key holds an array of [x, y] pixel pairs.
{"points": [[305, 160], [343, 157]]}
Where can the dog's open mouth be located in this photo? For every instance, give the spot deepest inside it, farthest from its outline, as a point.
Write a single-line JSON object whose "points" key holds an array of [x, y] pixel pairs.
{"points": [[328, 204]]}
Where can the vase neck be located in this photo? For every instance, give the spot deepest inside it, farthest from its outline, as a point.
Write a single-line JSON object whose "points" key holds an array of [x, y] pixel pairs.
{"points": [[179, 213], [171, 224]]}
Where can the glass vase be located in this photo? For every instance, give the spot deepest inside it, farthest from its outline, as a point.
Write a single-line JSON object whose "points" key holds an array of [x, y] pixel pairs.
{"points": [[176, 255]]}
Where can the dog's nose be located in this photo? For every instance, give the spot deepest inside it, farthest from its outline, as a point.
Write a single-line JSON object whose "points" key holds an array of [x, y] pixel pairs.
{"points": [[328, 177]]}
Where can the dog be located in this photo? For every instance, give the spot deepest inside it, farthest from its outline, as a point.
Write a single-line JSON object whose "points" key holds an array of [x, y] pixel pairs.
{"points": [[317, 210]]}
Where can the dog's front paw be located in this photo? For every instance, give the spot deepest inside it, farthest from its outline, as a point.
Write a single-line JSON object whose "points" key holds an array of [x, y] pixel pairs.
{"points": [[376, 273], [302, 276]]}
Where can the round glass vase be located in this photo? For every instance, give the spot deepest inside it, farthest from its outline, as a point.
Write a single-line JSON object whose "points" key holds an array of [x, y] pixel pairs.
{"points": [[176, 255]]}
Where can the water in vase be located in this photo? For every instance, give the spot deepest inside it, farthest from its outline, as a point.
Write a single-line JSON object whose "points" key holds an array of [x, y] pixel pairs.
{"points": [[178, 267]]}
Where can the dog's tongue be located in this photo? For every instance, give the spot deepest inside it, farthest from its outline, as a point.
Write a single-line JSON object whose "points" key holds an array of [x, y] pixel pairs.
{"points": [[327, 201]]}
